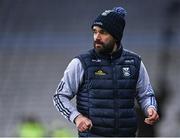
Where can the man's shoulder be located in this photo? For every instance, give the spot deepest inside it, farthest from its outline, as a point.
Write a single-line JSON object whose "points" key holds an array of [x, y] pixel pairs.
{"points": [[84, 55], [130, 53]]}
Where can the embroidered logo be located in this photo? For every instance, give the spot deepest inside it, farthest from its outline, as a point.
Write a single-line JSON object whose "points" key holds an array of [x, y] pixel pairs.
{"points": [[129, 61], [126, 71], [98, 23], [100, 73], [96, 60], [106, 12]]}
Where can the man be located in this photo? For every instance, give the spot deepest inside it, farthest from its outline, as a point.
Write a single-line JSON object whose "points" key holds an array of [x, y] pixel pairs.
{"points": [[106, 80]]}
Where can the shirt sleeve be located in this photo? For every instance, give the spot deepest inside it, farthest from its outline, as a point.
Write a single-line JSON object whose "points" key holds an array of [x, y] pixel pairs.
{"points": [[145, 94], [68, 88]]}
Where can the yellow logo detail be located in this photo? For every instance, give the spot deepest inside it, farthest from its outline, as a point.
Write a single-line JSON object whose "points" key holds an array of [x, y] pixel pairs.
{"points": [[100, 72]]}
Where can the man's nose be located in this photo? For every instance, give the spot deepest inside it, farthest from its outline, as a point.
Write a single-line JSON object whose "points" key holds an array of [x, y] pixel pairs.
{"points": [[98, 36]]}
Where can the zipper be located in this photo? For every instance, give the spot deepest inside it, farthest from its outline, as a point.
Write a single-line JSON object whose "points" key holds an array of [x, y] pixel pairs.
{"points": [[115, 97]]}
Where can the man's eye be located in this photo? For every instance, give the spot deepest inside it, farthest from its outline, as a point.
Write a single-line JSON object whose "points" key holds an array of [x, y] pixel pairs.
{"points": [[94, 31], [103, 32]]}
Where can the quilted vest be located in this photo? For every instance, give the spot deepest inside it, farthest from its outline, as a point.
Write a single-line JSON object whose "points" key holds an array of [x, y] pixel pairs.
{"points": [[107, 93]]}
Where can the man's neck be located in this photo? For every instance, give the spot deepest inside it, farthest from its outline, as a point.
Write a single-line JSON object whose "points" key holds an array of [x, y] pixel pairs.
{"points": [[115, 49]]}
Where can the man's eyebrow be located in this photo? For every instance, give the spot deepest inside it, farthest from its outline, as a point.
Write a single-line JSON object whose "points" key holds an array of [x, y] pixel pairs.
{"points": [[93, 29]]}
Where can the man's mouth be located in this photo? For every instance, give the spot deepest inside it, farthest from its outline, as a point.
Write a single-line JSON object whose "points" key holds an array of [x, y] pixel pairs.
{"points": [[98, 45]]}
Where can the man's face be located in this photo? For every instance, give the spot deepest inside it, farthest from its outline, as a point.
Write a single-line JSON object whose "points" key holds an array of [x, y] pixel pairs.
{"points": [[103, 42]]}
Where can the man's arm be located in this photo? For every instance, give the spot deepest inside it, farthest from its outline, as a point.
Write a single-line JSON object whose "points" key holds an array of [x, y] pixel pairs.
{"points": [[145, 96], [67, 89]]}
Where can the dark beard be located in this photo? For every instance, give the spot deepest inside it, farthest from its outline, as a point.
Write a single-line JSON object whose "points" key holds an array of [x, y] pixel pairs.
{"points": [[106, 48]]}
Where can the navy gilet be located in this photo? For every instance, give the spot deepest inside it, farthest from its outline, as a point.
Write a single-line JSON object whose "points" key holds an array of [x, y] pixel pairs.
{"points": [[107, 93]]}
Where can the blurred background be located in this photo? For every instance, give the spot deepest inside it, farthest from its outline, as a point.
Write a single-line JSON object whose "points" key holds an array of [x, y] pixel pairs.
{"points": [[38, 38]]}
